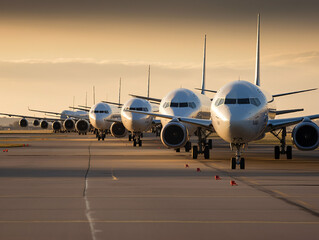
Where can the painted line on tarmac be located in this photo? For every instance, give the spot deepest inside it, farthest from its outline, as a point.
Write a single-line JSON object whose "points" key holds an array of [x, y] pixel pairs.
{"points": [[160, 221]]}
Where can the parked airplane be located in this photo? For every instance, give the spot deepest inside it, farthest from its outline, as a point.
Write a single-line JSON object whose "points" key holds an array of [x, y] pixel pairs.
{"points": [[69, 120], [242, 112], [179, 104], [136, 123]]}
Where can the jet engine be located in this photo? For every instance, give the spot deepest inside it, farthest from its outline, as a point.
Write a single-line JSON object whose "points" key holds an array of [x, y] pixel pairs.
{"points": [[23, 122], [118, 130], [44, 124], [56, 126], [306, 136], [82, 126], [174, 135], [69, 124], [36, 122]]}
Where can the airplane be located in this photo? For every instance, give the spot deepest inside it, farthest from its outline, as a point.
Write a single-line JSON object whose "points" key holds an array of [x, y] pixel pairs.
{"points": [[69, 120], [106, 118], [242, 112], [37, 121], [137, 123], [180, 104]]}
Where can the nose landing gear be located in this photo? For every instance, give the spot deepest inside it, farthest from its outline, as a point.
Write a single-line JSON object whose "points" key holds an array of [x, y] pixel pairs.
{"points": [[238, 160], [137, 139]]}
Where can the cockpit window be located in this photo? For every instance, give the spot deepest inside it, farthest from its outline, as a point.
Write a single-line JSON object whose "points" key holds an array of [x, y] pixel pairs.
{"points": [[142, 109], [101, 111], [243, 101], [230, 101], [179, 105], [255, 101]]}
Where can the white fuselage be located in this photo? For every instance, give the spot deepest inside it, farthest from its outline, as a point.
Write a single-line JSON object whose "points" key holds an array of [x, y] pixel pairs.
{"points": [[134, 122], [100, 113], [183, 102], [78, 114], [240, 112]]}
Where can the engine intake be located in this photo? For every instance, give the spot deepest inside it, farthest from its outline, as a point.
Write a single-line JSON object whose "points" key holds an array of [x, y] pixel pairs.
{"points": [[23, 122], [56, 126], [174, 135], [306, 136], [118, 130], [36, 122], [44, 124], [69, 124], [82, 126]]}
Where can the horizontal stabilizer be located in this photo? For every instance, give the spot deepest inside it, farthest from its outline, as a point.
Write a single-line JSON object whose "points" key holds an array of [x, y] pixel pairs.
{"points": [[146, 98], [289, 93], [287, 111], [79, 108], [87, 107], [206, 90], [113, 103]]}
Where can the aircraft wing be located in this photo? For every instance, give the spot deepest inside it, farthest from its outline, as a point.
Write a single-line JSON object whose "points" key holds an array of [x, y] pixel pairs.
{"points": [[275, 124], [31, 117], [147, 98], [206, 90], [279, 112], [289, 93], [206, 123]]}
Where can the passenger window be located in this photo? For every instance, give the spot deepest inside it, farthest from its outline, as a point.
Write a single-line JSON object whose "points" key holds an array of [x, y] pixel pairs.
{"points": [[230, 101], [243, 100]]}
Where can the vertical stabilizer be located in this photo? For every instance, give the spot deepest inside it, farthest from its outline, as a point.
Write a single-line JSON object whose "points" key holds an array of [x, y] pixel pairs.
{"points": [[93, 95], [204, 69], [86, 99], [120, 92], [148, 80], [257, 71]]}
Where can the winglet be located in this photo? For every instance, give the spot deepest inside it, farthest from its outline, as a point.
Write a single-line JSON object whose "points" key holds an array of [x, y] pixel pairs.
{"points": [[204, 68], [257, 72]]}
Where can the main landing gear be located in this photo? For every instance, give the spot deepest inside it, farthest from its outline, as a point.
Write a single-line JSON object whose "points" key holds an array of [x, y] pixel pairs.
{"points": [[203, 146], [282, 149], [136, 137], [238, 160]]}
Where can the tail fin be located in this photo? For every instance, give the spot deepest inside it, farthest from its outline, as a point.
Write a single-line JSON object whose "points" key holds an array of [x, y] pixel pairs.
{"points": [[204, 68], [257, 72], [120, 92], [93, 95], [148, 80]]}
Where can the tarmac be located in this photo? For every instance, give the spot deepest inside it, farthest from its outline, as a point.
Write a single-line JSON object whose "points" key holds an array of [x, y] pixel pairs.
{"points": [[67, 186]]}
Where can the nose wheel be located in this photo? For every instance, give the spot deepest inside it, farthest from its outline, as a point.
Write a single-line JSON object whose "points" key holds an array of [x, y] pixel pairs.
{"points": [[238, 160], [137, 141]]}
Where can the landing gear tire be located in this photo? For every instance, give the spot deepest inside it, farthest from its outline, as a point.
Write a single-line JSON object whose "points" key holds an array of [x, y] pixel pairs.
{"points": [[129, 137], [195, 152], [233, 163], [242, 163], [210, 143], [134, 143], [188, 146], [277, 152], [98, 138], [289, 152], [206, 152], [140, 143], [178, 149]]}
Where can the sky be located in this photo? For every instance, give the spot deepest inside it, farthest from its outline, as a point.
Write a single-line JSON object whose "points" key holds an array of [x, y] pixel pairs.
{"points": [[52, 52]]}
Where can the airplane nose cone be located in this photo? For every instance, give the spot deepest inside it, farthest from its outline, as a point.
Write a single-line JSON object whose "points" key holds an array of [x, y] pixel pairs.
{"points": [[97, 122], [135, 122]]}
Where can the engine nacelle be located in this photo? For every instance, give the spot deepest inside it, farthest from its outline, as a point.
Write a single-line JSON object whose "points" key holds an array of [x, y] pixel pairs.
{"points": [[56, 126], [306, 136], [82, 126], [118, 130], [44, 124], [36, 122], [69, 124], [174, 135], [23, 122]]}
